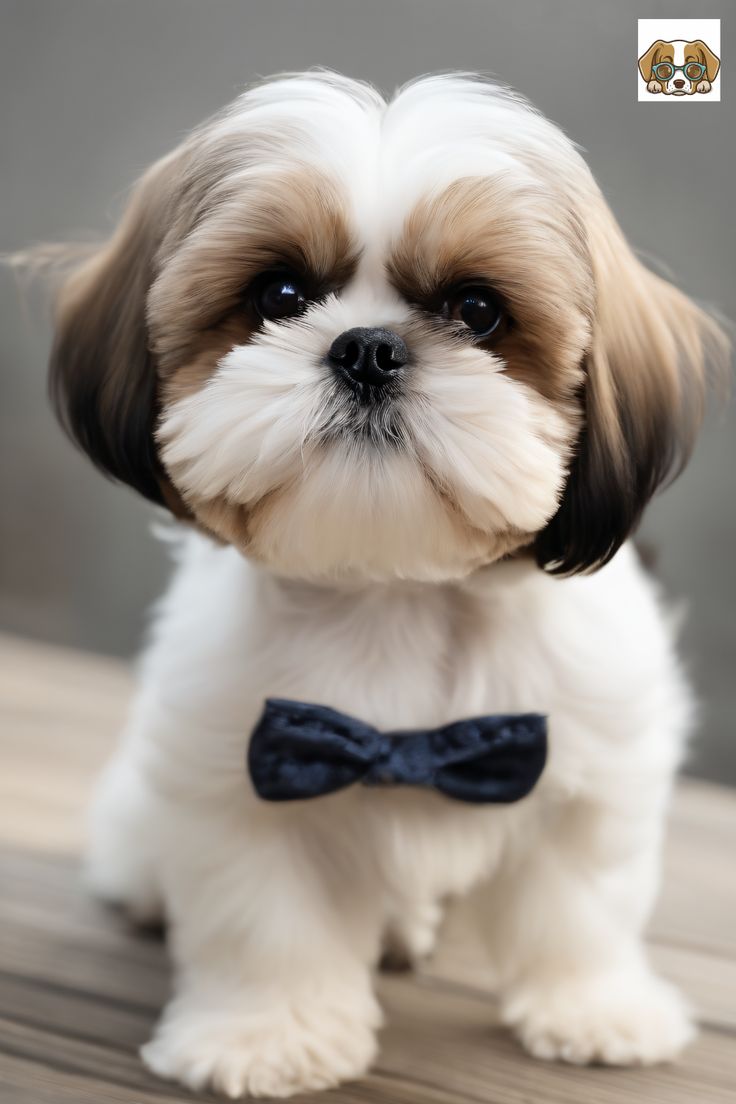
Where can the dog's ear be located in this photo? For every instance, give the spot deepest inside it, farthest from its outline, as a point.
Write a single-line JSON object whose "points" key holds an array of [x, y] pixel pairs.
{"points": [[643, 401], [706, 57], [102, 376], [650, 58]]}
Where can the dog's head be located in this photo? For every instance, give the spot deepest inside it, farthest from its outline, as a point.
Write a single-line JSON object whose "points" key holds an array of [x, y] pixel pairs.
{"points": [[364, 339], [679, 68]]}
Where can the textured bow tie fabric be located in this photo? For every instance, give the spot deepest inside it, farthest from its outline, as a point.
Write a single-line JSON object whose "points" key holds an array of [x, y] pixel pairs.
{"points": [[299, 750]]}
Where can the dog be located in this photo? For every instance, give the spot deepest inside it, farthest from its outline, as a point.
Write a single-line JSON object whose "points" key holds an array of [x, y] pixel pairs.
{"points": [[679, 68], [404, 386]]}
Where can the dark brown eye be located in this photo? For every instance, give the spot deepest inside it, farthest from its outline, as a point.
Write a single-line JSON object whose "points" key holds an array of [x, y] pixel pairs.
{"points": [[477, 307], [279, 295]]}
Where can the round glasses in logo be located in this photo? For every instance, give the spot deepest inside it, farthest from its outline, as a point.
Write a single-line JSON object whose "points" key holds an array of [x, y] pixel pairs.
{"points": [[666, 70]]}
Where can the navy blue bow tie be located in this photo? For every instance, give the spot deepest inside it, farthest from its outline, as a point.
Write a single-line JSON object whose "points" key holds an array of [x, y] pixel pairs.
{"points": [[299, 750]]}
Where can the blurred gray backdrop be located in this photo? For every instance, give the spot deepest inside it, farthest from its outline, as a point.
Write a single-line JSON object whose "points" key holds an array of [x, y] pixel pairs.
{"points": [[91, 91]]}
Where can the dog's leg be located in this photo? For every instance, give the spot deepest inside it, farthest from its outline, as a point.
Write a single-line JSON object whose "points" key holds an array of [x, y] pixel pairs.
{"points": [[564, 925], [273, 992], [124, 826]]}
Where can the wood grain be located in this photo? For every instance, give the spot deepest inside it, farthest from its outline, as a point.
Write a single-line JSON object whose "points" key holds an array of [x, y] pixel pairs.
{"points": [[80, 989]]}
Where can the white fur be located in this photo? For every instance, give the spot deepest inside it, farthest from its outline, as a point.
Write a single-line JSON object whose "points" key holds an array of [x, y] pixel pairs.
{"points": [[375, 601]]}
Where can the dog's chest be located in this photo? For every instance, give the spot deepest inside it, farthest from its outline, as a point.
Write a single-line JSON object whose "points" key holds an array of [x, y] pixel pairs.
{"points": [[397, 655], [387, 654]]}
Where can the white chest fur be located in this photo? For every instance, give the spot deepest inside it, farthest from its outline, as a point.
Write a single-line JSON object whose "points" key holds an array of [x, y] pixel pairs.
{"points": [[594, 653]]}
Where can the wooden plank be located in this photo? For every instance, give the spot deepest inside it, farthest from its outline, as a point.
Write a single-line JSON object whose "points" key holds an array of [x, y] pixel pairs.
{"points": [[697, 905], [437, 1038]]}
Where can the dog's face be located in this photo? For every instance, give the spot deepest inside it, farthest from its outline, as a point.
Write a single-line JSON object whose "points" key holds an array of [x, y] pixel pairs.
{"points": [[365, 340], [679, 68]]}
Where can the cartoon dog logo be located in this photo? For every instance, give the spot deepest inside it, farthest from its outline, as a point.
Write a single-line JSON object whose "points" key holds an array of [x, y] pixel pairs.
{"points": [[679, 68]]}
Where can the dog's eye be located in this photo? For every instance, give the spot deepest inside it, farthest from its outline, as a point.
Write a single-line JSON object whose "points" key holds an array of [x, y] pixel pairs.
{"points": [[477, 307], [279, 295]]}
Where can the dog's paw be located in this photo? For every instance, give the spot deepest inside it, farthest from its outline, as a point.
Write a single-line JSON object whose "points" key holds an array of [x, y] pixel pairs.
{"points": [[304, 1046], [654, 87], [703, 86], [619, 1020]]}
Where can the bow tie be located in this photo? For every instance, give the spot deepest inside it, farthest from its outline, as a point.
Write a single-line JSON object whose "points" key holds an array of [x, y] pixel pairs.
{"points": [[299, 750]]}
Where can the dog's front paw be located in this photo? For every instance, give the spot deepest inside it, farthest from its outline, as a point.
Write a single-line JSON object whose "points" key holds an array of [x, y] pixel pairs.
{"points": [[275, 1051], [632, 1018], [703, 86], [654, 87]]}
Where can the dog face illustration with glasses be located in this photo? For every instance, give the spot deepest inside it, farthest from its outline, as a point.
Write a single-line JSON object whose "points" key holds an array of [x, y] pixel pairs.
{"points": [[679, 68]]}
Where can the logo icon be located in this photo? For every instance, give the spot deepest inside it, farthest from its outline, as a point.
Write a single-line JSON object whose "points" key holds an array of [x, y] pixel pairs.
{"points": [[680, 59]]}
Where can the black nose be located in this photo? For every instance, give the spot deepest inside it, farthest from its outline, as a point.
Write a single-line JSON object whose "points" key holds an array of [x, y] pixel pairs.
{"points": [[679, 84], [367, 358]]}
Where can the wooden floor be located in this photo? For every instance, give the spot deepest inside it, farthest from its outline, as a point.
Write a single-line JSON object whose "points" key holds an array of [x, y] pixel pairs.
{"points": [[79, 991]]}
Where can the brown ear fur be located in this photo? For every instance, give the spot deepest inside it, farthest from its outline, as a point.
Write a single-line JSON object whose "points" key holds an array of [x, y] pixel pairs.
{"points": [[643, 401], [707, 57], [102, 378], [650, 58]]}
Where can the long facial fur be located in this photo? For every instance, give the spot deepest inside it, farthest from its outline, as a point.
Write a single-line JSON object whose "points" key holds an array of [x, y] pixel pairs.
{"points": [[550, 441]]}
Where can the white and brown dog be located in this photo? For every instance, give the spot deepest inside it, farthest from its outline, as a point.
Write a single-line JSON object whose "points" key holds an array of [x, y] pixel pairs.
{"points": [[399, 374], [679, 68]]}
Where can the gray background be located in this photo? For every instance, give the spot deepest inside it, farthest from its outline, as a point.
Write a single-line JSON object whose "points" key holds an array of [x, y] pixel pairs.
{"points": [[92, 91]]}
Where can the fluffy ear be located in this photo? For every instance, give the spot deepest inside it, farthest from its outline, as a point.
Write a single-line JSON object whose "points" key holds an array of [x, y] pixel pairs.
{"points": [[706, 57], [650, 58], [643, 403], [102, 377]]}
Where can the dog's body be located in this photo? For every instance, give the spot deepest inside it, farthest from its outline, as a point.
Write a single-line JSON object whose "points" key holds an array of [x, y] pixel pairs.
{"points": [[400, 362], [278, 914]]}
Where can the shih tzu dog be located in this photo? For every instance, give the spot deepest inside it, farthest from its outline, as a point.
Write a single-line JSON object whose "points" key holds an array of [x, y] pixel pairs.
{"points": [[407, 388]]}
